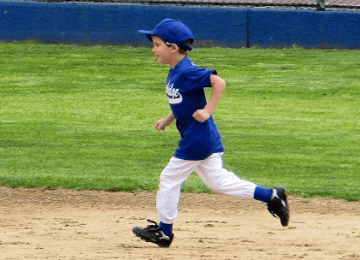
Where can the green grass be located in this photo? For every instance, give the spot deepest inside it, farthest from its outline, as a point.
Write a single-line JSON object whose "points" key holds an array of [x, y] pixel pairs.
{"points": [[81, 117]]}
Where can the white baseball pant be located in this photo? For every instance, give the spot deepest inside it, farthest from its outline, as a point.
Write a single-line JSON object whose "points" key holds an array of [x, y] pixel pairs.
{"points": [[212, 173]]}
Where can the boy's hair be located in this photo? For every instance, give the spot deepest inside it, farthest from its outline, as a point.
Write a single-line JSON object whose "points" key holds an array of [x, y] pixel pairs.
{"points": [[187, 43], [181, 51]]}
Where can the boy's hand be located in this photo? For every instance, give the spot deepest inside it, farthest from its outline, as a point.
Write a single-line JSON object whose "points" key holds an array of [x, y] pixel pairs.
{"points": [[160, 125], [218, 86], [201, 115]]}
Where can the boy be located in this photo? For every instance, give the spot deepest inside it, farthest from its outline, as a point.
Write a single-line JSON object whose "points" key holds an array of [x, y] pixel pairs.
{"points": [[200, 147]]}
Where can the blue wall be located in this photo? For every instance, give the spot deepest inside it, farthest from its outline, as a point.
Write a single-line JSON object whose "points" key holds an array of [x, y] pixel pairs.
{"points": [[309, 29], [230, 27]]}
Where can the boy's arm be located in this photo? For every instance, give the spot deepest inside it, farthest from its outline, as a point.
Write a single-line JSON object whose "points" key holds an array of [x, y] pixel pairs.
{"points": [[218, 87], [161, 124]]}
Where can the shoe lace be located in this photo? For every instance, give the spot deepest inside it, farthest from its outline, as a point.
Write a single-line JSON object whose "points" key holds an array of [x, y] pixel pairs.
{"points": [[153, 227]]}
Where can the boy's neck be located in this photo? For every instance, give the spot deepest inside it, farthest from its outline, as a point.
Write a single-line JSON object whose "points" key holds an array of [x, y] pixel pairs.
{"points": [[176, 59]]}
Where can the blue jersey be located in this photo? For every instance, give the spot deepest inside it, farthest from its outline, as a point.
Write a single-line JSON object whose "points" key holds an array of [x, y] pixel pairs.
{"points": [[185, 91]]}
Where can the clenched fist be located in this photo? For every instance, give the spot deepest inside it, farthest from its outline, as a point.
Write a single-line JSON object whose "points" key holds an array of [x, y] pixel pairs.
{"points": [[201, 115]]}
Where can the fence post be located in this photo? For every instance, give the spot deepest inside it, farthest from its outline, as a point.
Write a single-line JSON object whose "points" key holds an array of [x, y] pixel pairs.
{"points": [[320, 5]]}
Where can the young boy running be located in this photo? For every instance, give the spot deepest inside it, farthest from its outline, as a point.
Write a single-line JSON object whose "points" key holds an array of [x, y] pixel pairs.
{"points": [[200, 147]]}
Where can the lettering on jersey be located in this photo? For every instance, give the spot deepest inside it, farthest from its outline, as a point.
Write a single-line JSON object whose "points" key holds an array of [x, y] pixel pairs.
{"points": [[173, 94]]}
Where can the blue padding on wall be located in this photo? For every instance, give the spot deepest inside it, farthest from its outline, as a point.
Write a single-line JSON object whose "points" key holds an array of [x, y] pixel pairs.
{"points": [[341, 30], [116, 24], [308, 29], [213, 26], [67, 23]]}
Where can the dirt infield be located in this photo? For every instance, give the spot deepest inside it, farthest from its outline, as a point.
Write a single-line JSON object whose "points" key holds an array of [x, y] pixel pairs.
{"points": [[63, 224]]}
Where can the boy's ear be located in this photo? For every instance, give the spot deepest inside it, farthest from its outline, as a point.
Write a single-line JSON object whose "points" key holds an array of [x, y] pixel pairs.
{"points": [[174, 47]]}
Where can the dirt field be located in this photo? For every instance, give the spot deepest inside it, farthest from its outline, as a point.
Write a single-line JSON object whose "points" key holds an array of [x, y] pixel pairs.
{"points": [[62, 224]]}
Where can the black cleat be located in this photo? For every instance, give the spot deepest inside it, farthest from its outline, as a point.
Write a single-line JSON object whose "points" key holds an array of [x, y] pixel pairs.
{"points": [[153, 234], [278, 205]]}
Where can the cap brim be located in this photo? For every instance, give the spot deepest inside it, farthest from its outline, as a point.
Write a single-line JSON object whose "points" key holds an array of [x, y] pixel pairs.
{"points": [[148, 34]]}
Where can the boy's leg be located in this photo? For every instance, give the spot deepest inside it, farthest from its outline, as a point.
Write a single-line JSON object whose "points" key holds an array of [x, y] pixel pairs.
{"points": [[171, 179], [217, 178], [167, 200]]}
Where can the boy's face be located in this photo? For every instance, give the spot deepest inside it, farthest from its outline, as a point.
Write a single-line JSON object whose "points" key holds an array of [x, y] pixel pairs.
{"points": [[162, 51]]}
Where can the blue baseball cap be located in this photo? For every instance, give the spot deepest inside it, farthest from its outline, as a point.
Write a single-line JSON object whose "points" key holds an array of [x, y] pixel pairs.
{"points": [[173, 32]]}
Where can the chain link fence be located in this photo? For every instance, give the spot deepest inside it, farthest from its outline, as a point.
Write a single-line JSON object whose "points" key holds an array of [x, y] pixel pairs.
{"points": [[319, 5]]}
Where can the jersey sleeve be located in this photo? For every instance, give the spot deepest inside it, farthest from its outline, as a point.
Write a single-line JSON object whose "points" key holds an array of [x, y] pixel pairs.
{"points": [[199, 78]]}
